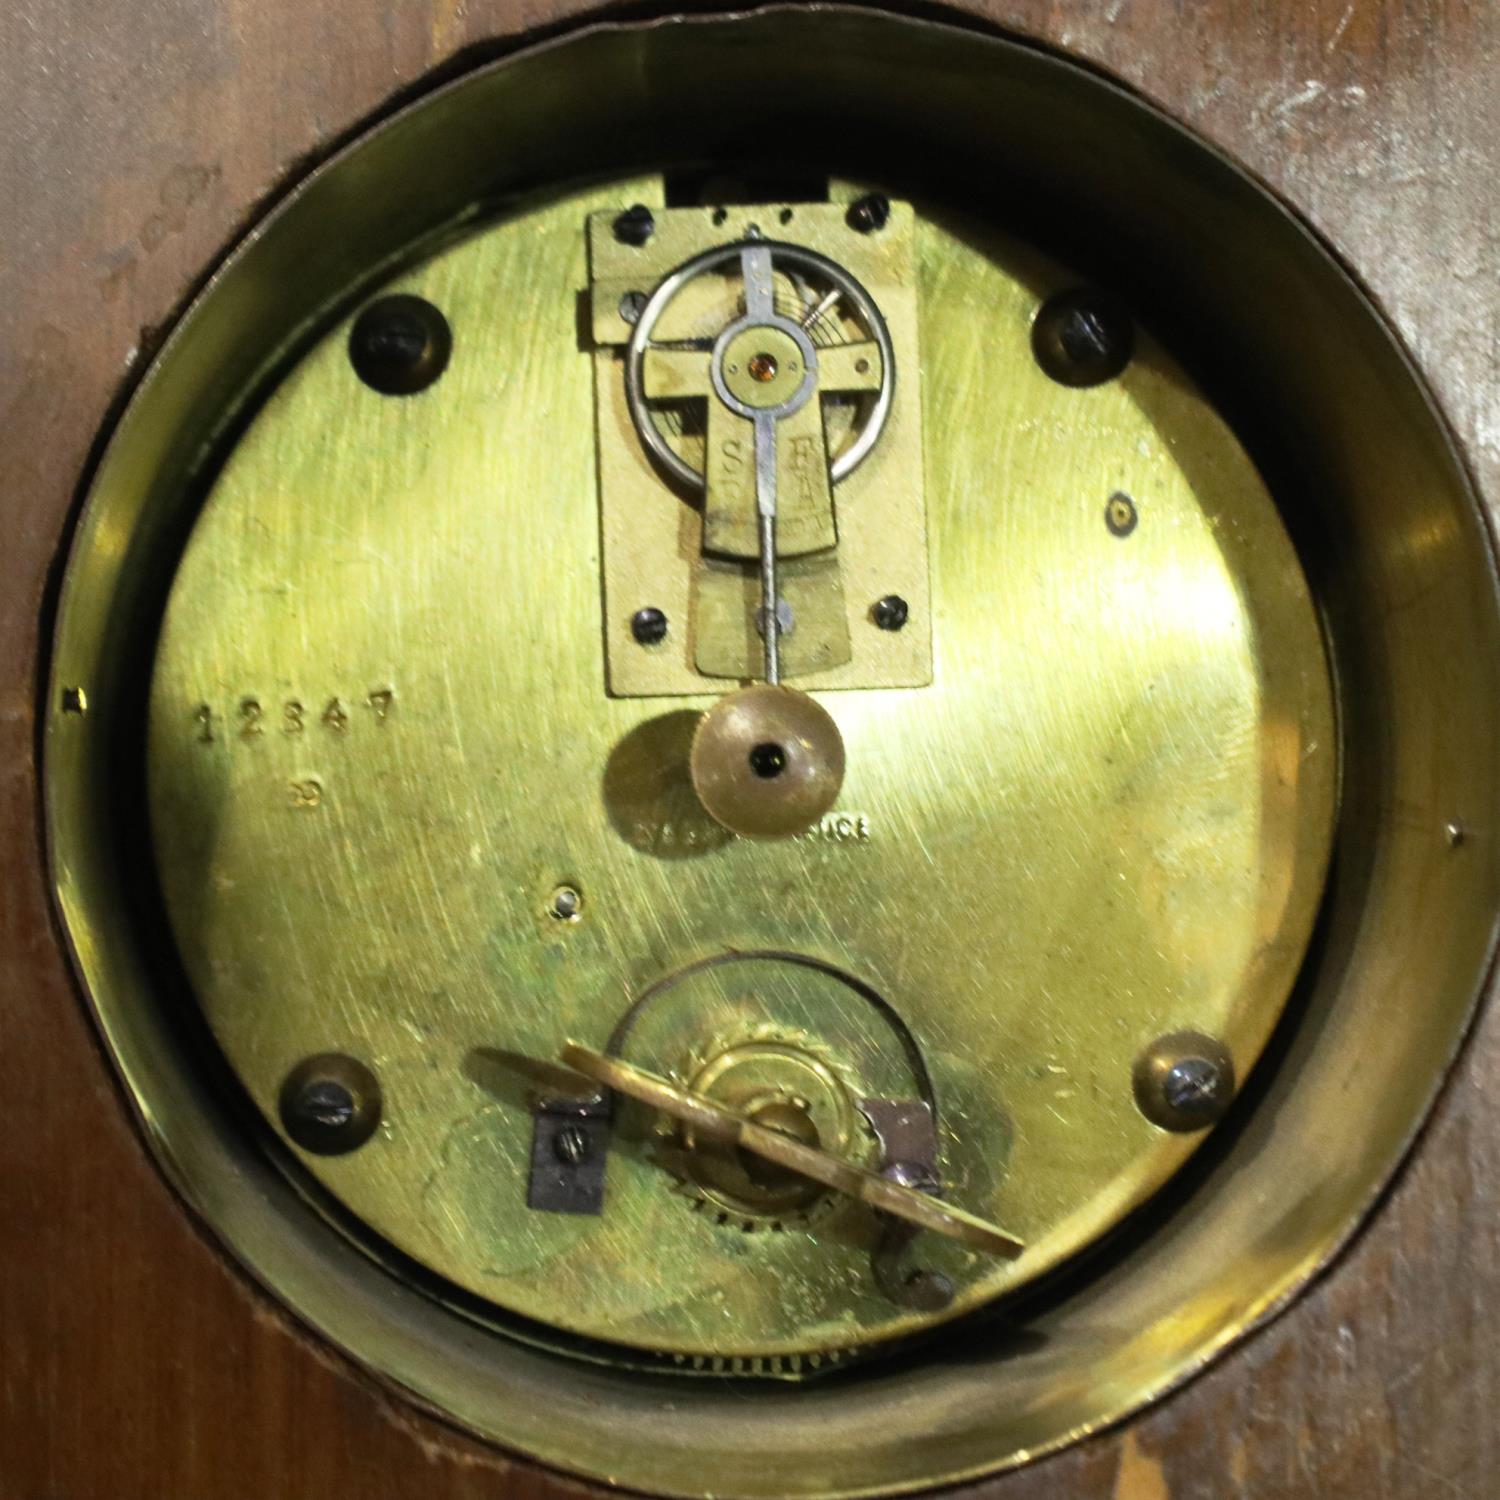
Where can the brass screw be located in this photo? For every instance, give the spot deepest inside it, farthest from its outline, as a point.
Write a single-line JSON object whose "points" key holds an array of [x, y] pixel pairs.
{"points": [[1184, 1081], [330, 1104]]}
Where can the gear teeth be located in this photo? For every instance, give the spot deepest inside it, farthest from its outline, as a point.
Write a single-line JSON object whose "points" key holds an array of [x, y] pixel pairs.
{"points": [[765, 1033], [787, 1366]]}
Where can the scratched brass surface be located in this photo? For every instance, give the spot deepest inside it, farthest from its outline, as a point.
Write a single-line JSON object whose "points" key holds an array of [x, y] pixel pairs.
{"points": [[380, 737], [1405, 580]]}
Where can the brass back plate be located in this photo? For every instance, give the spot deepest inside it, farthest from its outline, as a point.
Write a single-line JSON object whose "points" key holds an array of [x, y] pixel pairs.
{"points": [[1404, 578], [380, 739]]}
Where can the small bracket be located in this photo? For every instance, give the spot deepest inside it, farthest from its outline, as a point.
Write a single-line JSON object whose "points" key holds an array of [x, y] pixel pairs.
{"points": [[908, 1140], [569, 1152], [690, 556]]}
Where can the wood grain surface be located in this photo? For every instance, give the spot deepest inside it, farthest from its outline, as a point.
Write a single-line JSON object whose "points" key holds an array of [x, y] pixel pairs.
{"points": [[136, 138]]}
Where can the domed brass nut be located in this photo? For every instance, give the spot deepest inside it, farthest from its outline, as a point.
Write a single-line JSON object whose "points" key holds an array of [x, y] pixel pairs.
{"points": [[330, 1104], [1184, 1081], [767, 762]]}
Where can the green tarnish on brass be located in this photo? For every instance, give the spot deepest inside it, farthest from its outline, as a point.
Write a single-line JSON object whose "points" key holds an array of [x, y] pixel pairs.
{"points": [[380, 737], [337, 690]]}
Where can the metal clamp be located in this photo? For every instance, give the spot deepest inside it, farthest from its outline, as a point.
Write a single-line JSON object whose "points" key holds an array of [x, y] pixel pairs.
{"points": [[569, 1151], [908, 1140]]}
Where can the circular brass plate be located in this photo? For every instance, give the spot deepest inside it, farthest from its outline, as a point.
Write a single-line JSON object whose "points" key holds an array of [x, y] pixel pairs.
{"points": [[1401, 571], [379, 737]]}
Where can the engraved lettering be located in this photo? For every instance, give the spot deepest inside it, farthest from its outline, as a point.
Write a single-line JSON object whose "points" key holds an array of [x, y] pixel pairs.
{"points": [[840, 828], [308, 793], [291, 717], [380, 700], [803, 456], [204, 716], [669, 837], [335, 717]]}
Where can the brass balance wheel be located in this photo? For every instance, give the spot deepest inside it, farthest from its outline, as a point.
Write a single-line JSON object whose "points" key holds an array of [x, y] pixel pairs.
{"points": [[771, 752]]}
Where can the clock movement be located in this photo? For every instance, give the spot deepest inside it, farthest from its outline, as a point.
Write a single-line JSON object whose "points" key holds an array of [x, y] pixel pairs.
{"points": [[769, 752]]}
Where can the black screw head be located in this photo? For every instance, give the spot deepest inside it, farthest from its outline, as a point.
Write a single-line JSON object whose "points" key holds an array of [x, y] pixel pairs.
{"points": [[399, 345], [330, 1104], [648, 626], [1082, 337], [635, 226], [1184, 1082], [869, 213], [891, 612]]}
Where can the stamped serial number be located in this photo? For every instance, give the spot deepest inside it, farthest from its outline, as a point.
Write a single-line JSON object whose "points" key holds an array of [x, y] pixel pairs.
{"points": [[252, 718]]}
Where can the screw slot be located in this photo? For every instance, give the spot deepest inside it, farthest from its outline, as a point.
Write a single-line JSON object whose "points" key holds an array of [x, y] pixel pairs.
{"points": [[330, 1104], [399, 345], [635, 226], [1082, 337], [869, 213]]}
